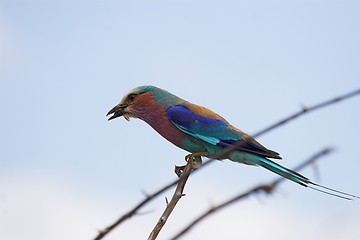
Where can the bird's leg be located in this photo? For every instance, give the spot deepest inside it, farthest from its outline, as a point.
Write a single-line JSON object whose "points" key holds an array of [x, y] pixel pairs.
{"points": [[195, 160]]}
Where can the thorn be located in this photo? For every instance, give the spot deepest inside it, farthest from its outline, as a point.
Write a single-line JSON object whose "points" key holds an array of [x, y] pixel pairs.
{"points": [[144, 193], [179, 170], [304, 108], [327, 150], [268, 189]]}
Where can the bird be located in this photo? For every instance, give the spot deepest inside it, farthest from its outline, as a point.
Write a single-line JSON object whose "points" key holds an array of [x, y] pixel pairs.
{"points": [[202, 132]]}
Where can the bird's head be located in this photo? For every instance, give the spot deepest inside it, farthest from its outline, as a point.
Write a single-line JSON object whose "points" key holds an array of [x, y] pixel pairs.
{"points": [[140, 102], [127, 106]]}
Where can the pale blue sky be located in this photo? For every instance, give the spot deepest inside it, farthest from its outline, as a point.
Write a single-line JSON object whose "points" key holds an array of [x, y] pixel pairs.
{"points": [[65, 171]]}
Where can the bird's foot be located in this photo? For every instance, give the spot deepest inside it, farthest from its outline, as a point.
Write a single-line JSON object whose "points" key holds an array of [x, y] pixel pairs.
{"points": [[194, 159]]}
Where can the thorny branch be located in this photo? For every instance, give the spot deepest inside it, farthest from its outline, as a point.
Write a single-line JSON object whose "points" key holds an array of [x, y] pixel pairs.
{"points": [[303, 111], [267, 188], [192, 163], [134, 211]]}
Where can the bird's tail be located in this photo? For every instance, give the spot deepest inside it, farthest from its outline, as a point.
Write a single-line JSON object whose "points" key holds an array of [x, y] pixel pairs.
{"points": [[284, 172], [300, 179]]}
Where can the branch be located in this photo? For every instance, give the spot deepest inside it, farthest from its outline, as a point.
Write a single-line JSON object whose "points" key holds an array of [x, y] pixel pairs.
{"points": [[134, 210], [226, 151], [191, 164], [267, 188], [303, 111]]}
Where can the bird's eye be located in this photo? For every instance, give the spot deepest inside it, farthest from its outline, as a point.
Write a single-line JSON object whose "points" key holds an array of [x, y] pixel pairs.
{"points": [[132, 97]]}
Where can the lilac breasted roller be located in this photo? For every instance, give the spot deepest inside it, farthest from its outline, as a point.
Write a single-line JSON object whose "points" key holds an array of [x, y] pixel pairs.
{"points": [[199, 130]]}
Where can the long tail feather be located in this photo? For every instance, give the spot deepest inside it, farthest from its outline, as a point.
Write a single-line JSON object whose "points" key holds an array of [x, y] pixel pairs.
{"points": [[331, 191], [285, 172], [304, 181]]}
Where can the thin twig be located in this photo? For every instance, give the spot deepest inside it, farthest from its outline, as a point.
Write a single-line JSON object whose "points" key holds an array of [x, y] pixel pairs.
{"points": [[226, 151], [267, 188], [134, 210], [175, 198]]}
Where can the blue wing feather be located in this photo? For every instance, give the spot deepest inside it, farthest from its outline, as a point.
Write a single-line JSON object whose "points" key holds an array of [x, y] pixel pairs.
{"points": [[213, 131]]}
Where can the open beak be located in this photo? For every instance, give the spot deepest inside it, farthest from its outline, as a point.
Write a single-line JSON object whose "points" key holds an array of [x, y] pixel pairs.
{"points": [[117, 111]]}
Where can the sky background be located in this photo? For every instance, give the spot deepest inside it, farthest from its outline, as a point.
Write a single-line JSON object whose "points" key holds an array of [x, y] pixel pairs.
{"points": [[66, 172]]}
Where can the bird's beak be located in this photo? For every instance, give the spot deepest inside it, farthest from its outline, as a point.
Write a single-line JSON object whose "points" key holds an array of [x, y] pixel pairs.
{"points": [[117, 111]]}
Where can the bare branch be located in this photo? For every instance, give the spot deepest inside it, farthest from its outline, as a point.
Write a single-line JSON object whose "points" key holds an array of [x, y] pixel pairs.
{"points": [[134, 211], [303, 111], [226, 151], [267, 188], [191, 164]]}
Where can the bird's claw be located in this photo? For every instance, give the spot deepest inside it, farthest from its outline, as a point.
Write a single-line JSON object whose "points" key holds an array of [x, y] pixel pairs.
{"points": [[193, 159]]}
